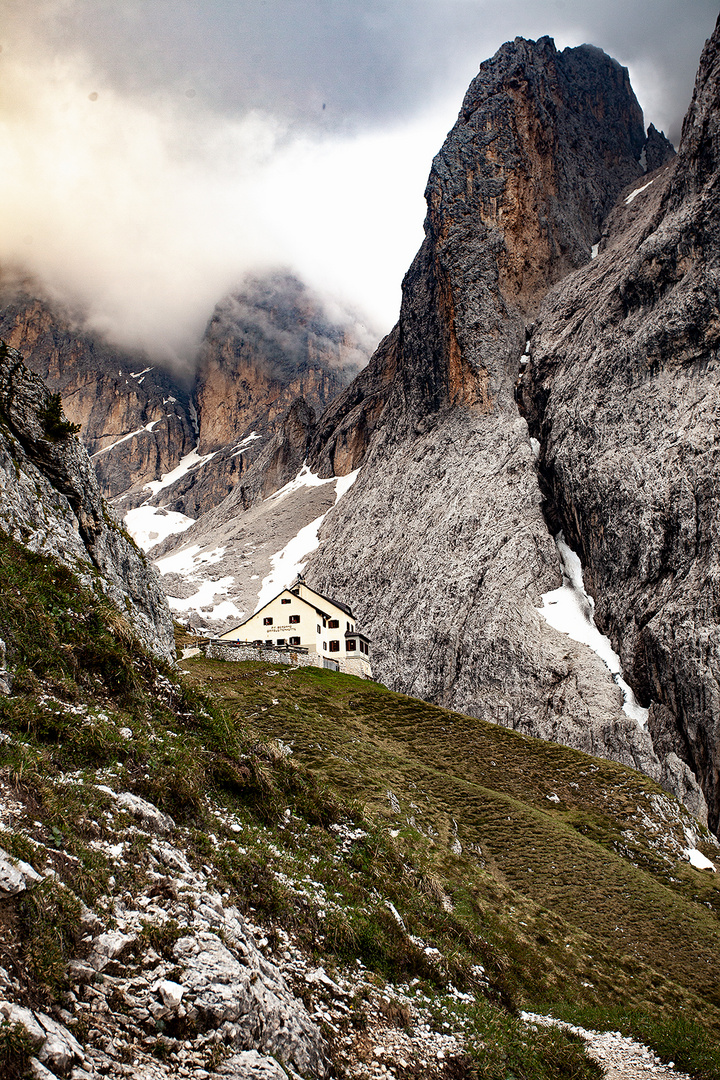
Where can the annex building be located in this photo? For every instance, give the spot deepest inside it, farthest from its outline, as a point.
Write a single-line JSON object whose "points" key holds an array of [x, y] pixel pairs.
{"points": [[305, 622]]}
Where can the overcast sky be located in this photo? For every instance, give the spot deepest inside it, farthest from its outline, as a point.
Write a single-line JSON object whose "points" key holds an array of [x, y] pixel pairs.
{"points": [[151, 151]]}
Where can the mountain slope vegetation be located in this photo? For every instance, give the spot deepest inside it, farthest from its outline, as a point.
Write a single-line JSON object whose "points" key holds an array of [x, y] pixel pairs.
{"points": [[412, 850]]}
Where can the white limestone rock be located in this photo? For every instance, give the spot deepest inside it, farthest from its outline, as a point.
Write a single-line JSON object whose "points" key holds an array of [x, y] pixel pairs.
{"points": [[57, 1048], [253, 997], [249, 1065], [148, 814], [107, 947], [15, 875]]}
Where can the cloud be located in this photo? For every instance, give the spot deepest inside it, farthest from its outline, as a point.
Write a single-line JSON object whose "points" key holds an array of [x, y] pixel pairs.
{"points": [[153, 154]]}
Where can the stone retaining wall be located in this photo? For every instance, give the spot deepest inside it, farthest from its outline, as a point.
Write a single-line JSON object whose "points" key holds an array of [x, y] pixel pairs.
{"points": [[350, 665]]}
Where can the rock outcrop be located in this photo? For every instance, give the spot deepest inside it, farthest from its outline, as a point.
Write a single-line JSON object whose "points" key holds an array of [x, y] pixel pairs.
{"points": [[265, 346], [441, 545], [135, 418], [623, 393], [51, 502]]}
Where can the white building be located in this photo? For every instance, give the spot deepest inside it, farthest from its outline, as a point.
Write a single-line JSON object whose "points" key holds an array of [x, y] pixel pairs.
{"points": [[298, 617]]}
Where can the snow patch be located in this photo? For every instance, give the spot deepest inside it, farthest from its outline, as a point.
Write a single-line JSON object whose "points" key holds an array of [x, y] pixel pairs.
{"points": [[149, 525], [344, 483], [634, 194], [292, 559], [137, 374], [594, 251], [287, 563], [203, 601], [190, 461], [187, 560], [125, 438], [699, 861], [304, 478], [570, 610], [238, 450]]}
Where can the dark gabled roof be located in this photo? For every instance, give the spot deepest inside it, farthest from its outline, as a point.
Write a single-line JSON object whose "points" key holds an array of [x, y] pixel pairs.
{"points": [[335, 603], [356, 633]]}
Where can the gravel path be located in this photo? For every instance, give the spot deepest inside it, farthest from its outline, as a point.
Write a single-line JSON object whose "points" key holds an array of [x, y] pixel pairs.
{"points": [[621, 1057]]}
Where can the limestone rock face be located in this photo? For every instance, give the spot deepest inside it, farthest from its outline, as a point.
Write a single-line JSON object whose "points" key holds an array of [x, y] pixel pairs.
{"points": [[266, 345], [134, 418], [51, 502], [623, 393], [441, 545], [263, 348]]}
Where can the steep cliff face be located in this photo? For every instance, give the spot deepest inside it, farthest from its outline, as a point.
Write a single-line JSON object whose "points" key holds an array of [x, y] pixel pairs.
{"points": [[134, 417], [264, 347], [51, 502], [441, 544], [623, 392], [267, 345], [544, 142]]}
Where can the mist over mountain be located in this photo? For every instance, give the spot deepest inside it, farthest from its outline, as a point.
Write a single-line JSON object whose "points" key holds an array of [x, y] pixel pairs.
{"points": [[154, 154]]}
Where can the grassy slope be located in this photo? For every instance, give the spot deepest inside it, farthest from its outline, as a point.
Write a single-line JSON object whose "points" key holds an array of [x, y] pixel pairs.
{"points": [[524, 911], [586, 897]]}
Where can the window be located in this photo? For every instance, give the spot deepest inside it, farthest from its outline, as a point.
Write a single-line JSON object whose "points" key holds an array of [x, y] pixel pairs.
{"points": [[325, 645], [350, 645], [268, 621], [294, 641], [333, 624], [319, 628], [294, 618], [334, 646], [285, 600], [281, 641]]}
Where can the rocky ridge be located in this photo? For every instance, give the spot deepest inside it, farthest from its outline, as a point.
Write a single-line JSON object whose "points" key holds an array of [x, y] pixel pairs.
{"points": [[622, 392], [181, 437], [442, 545], [51, 502]]}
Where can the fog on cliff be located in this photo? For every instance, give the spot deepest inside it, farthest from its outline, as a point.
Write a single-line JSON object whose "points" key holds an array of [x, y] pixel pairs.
{"points": [[152, 153]]}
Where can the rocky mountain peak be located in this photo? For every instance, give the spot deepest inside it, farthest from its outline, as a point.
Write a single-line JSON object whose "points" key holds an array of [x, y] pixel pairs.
{"points": [[699, 152], [544, 143], [266, 345]]}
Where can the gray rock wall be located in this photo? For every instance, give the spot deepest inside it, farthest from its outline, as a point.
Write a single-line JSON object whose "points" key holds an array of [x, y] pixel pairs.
{"points": [[441, 545], [51, 502], [623, 392]]}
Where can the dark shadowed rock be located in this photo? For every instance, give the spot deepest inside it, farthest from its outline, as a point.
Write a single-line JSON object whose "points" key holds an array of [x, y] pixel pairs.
{"points": [[623, 392]]}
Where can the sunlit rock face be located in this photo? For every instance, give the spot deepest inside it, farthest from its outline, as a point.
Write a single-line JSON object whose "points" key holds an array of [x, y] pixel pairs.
{"points": [[443, 544]]}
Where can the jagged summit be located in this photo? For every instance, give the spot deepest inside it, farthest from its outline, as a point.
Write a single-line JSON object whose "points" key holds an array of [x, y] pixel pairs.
{"points": [[443, 533]]}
